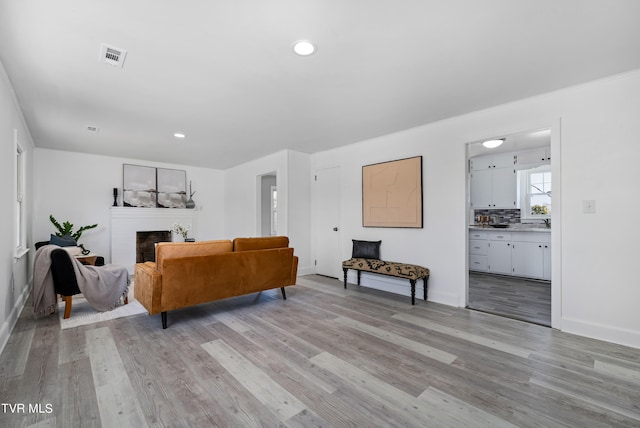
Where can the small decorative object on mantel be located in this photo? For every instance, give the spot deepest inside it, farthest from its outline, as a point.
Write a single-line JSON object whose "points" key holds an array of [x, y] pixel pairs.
{"points": [[182, 231], [190, 204], [115, 196]]}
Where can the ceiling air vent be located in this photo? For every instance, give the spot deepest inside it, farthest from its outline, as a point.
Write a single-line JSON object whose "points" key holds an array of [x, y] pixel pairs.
{"points": [[112, 55]]}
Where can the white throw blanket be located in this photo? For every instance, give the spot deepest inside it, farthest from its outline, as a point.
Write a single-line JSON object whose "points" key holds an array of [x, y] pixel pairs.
{"points": [[102, 286]]}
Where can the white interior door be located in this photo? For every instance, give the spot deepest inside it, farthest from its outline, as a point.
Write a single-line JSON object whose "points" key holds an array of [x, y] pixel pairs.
{"points": [[326, 222]]}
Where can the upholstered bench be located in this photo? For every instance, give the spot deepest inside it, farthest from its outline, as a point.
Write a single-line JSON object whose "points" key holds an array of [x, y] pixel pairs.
{"points": [[400, 270]]}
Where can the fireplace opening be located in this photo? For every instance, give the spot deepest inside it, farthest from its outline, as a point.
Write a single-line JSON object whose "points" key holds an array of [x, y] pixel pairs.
{"points": [[146, 244]]}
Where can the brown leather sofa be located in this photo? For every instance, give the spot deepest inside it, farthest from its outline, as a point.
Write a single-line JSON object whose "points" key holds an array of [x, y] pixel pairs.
{"points": [[189, 273]]}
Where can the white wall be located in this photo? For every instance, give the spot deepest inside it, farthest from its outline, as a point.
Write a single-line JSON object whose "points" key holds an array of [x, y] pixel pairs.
{"points": [[79, 188], [15, 274], [595, 153], [299, 208], [242, 200]]}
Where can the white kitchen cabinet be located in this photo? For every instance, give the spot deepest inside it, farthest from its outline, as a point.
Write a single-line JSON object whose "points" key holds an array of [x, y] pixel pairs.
{"points": [[499, 160], [518, 253], [494, 188], [527, 259], [546, 257], [539, 156], [482, 189], [478, 252], [500, 257], [504, 188], [499, 253], [476, 234]]}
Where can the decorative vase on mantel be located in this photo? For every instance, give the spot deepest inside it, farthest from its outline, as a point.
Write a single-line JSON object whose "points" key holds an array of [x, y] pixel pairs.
{"points": [[190, 204]]}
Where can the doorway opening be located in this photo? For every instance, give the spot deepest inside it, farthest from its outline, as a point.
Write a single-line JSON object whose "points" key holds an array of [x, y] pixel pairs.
{"points": [[509, 218], [268, 205]]}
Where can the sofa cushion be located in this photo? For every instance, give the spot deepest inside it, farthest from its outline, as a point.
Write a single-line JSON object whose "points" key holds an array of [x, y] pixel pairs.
{"points": [[170, 250], [264, 243]]}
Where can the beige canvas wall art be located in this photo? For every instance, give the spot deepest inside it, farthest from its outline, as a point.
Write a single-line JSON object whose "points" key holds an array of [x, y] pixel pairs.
{"points": [[392, 194]]}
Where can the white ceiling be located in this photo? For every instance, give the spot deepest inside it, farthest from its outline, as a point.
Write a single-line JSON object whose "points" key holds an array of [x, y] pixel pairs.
{"points": [[223, 72]]}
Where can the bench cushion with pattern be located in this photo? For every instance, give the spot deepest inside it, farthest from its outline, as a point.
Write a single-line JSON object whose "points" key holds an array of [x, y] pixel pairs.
{"points": [[401, 270]]}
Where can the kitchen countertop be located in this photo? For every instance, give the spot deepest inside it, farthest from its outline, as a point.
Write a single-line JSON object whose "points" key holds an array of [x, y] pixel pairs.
{"points": [[517, 227]]}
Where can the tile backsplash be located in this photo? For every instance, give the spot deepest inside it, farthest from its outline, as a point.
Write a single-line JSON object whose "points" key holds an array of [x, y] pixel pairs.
{"points": [[502, 216]]}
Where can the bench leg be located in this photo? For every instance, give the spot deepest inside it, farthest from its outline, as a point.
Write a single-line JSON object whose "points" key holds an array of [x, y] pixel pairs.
{"points": [[424, 286], [345, 277], [358, 277], [413, 291]]}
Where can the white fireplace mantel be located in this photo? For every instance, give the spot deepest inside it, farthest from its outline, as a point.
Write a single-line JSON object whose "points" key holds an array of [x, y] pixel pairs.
{"points": [[126, 221]]}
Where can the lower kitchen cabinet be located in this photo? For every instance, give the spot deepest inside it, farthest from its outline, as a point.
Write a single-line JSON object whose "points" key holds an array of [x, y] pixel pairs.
{"points": [[523, 254], [546, 261], [527, 259], [500, 257]]}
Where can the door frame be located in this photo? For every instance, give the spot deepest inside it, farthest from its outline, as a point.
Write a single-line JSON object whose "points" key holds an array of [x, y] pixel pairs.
{"points": [[556, 216]]}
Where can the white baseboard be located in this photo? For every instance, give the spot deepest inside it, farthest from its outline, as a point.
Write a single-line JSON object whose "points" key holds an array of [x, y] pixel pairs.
{"points": [[607, 333], [306, 270], [10, 322], [400, 286]]}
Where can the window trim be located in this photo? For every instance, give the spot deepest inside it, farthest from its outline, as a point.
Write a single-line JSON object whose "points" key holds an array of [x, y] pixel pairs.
{"points": [[273, 193], [20, 236], [525, 197]]}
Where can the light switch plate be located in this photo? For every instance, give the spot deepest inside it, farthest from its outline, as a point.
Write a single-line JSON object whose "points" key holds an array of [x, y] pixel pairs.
{"points": [[589, 207]]}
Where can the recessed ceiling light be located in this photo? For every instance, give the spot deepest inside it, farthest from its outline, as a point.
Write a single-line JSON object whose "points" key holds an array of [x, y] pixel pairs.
{"points": [[93, 129], [179, 135], [492, 144], [304, 48]]}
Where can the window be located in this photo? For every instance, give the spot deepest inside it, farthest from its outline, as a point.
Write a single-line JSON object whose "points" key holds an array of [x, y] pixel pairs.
{"points": [[535, 193], [274, 210], [20, 229]]}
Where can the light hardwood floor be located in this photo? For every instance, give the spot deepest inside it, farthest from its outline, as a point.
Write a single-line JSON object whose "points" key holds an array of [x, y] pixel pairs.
{"points": [[517, 298], [324, 357]]}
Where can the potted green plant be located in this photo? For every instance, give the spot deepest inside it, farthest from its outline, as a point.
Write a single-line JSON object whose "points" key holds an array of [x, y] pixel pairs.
{"points": [[66, 229]]}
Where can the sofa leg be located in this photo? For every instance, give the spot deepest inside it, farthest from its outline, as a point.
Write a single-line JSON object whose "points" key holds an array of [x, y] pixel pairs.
{"points": [[163, 315], [284, 296]]}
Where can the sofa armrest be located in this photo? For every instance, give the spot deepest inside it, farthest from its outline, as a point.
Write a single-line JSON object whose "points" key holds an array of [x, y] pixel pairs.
{"points": [[147, 287], [294, 270]]}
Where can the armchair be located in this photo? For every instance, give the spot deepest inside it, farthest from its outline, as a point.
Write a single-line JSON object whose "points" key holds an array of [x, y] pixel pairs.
{"points": [[64, 278]]}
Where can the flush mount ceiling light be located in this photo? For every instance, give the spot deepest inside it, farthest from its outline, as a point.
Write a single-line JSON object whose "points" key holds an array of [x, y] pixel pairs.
{"points": [[304, 48], [179, 135], [492, 144]]}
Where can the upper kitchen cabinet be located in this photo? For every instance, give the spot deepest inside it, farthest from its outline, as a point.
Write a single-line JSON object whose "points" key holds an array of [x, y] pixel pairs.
{"points": [[534, 157], [493, 181], [499, 160]]}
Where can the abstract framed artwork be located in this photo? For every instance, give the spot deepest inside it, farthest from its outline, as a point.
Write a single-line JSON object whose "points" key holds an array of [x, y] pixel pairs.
{"points": [[172, 188], [139, 186], [392, 194]]}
